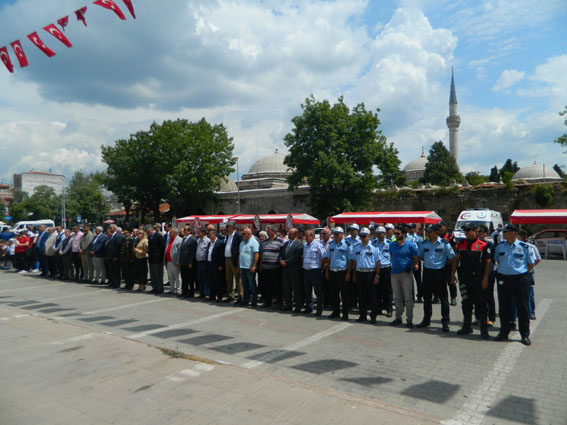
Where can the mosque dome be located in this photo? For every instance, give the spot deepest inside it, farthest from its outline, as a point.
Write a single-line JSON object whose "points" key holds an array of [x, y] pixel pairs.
{"points": [[268, 172], [416, 168], [270, 164], [536, 173], [228, 185]]}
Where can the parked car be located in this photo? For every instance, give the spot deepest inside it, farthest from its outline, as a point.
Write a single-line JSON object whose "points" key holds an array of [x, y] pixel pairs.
{"points": [[554, 237]]}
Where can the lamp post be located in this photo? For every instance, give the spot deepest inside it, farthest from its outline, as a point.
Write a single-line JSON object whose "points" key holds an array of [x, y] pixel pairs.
{"points": [[63, 217], [237, 186]]}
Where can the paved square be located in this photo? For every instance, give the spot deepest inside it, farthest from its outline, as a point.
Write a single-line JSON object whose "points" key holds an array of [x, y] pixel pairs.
{"points": [[258, 366]]}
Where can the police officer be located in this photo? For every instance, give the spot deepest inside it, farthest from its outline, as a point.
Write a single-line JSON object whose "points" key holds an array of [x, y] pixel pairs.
{"points": [[351, 241], [448, 237], [417, 240], [436, 254], [366, 263], [337, 258], [515, 262], [473, 261], [384, 293]]}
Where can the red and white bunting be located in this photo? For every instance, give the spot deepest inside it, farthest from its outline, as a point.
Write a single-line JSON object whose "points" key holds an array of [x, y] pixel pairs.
{"points": [[130, 7], [34, 38], [63, 22], [80, 13], [6, 59], [55, 32], [110, 5], [22, 58]]}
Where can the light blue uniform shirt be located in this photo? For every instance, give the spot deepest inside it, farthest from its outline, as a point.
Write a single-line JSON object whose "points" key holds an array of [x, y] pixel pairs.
{"points": [[513, 259], [384, 251], [366, 257], [416, 239], [247, 251], [435, 255], [312, 254], [338, 255]]}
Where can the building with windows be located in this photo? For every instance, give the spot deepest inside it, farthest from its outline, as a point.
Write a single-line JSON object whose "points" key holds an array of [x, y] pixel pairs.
{"points": [[27, 182]]}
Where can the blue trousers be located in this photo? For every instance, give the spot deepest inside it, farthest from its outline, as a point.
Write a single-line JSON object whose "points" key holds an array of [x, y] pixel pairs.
{"points": [[313, 279], [202, 278], [248, 280]]}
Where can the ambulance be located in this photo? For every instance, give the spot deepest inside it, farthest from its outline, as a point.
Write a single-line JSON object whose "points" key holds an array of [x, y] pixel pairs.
{"points": [[478, 216]]}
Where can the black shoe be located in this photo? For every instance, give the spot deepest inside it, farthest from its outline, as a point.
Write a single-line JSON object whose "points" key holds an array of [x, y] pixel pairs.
{"points": [[484, 331], [423, 324], [435, 300], [333, 315], [319, 313], [445, 326], [501, 337], [373, 320], [526, 341], [396, 322], [344, 318], [285, 308], [307, 311], [265, 305], [453, 302], [419, 300], [409, 324], [532, 316], [361, 319], [297, 310], [465, 330], [238, 302], [389, 314], [228, 299]]}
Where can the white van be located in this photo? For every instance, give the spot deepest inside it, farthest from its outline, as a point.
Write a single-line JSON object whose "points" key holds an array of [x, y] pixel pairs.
{"points": [[479, 216], [23, 225]]}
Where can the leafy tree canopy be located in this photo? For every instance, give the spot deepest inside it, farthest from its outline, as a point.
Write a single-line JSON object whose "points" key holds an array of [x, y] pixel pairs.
{"points": [[84, 197], [334, 149], [494, 174], [559, 170], [509, 167], [441, 166], [562, 140], [43, 204]]}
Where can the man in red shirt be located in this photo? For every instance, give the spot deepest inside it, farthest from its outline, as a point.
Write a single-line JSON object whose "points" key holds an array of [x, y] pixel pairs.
{"points": [[22, 244]]}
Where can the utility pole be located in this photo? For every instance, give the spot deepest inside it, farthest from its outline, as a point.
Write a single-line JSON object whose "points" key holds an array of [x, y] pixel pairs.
{"points": [[237, 186], [63, 213]]}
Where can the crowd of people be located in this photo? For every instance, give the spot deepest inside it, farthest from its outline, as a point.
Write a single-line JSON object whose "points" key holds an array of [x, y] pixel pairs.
{"points": [[372, 269]]}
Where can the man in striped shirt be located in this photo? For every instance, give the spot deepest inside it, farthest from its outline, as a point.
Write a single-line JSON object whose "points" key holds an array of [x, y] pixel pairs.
{"points": [[270, 257]]}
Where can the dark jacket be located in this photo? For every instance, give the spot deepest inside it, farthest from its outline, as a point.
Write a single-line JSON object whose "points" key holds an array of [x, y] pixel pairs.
{"points": [[99, 246], [127, 250], [235, 246], [291, 252], [113, 246], [156, 248], [217, 256], [188, 251]]}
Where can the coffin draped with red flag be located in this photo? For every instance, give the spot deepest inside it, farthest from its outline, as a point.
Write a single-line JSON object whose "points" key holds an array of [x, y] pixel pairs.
{"points": [[426, 217], [539, 217]]}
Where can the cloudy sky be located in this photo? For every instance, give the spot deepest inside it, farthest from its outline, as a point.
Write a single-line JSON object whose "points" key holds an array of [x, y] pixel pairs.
{"points": [[250, 64]]}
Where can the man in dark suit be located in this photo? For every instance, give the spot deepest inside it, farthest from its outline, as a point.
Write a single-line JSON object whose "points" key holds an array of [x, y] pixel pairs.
{"points": [[113, 256], [98, 251], [187, 262], [156, 250], [232, 245], [215, 266], [291, 272]]}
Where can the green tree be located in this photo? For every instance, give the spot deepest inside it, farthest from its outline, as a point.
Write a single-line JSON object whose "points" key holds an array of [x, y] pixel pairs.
{"points": [[508, 167], [175, 159], [559, 170], [474, 178], [494, 174], [441, 166], [389, 165], [44, 203], [84, 197], [333, 150], [562, 140]]}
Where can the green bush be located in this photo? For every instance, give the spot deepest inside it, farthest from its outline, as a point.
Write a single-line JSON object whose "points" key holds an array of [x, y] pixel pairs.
{"points": [[544, 196]]}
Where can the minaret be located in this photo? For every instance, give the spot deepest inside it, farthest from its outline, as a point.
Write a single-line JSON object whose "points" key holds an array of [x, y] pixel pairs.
{"points": [[453, 121]]}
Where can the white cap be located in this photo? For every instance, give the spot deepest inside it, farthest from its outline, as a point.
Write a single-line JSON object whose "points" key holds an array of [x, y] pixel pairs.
{"points": [[338, 230], [389, 226], [380, 229], [364, 231], [354, 226]]}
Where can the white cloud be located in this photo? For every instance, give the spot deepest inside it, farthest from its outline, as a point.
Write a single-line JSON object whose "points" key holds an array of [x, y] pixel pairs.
{"points": [[549, 81], [507, 79]]}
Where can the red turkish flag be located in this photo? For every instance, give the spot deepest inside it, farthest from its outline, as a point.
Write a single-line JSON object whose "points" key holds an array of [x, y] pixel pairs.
{"points": [[34, 38], [110, 5], [54, 31], [81, 15], [63, 22], [6, 59], [17, 46], [130, 7]]}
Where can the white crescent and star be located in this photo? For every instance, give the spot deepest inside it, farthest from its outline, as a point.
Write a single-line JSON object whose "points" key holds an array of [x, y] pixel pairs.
{"points": [[19, 51]]}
